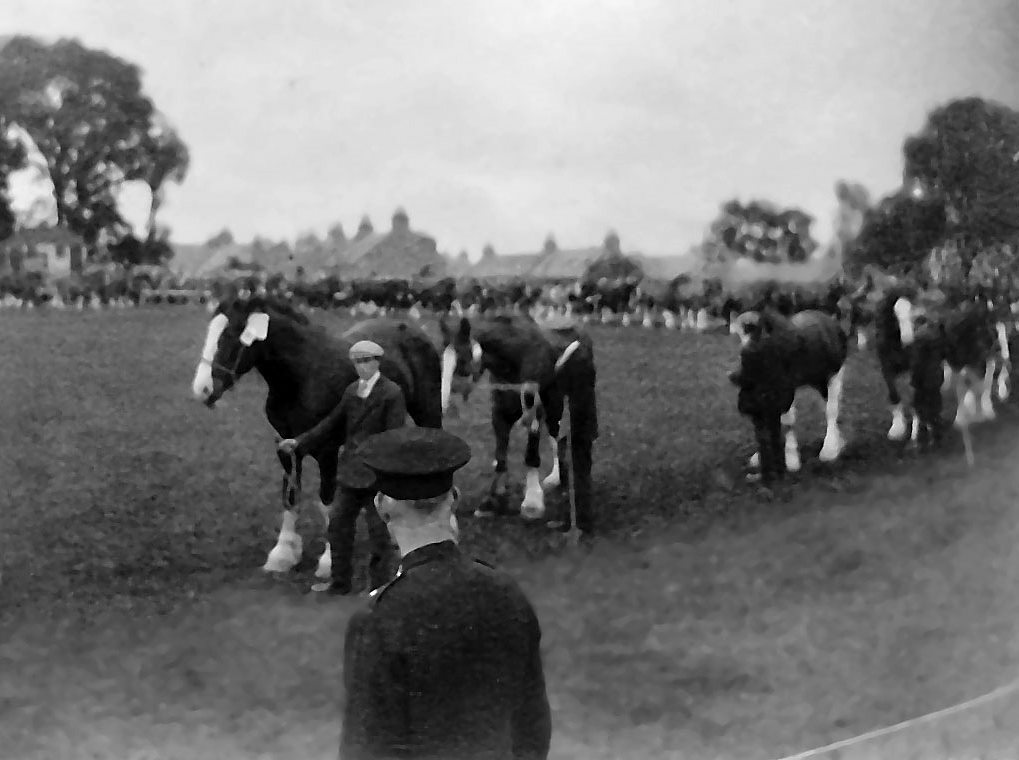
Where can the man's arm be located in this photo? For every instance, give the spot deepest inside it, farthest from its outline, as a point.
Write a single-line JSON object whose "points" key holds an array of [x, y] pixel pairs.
{"points": [[532, 720], [396, 409], [335, 420], [375, 713]]}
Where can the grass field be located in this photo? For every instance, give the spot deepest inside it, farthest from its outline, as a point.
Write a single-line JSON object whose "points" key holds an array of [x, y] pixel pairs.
{"points": [[706, 621]]}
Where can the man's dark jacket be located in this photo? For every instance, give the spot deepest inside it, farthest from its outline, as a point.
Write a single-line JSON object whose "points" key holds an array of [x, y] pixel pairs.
{"points": [[446, 664], [354, 419]]}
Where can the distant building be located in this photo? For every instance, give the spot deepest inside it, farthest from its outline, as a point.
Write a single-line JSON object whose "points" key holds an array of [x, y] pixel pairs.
{"points": [[400, 253], [52, 249]]}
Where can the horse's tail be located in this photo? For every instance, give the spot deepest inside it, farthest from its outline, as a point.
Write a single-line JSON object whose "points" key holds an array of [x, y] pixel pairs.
{"points": [[419, 355]]}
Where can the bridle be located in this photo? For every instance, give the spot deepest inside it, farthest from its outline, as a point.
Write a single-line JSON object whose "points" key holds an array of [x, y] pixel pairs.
{"points": [[231, 372]]}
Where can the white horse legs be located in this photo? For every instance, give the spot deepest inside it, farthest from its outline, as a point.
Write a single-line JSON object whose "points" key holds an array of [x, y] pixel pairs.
{"points": [[325, 562], [552, 480], [833, 442], [897, 431], [287, 551], [533, 505]]}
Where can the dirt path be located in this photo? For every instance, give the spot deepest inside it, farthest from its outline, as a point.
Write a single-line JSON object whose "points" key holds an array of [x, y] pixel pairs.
{"points": [[805, 621]]}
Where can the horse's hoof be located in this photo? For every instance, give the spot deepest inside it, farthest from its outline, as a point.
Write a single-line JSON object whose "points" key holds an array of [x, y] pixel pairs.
{"points": [[532, 510]]}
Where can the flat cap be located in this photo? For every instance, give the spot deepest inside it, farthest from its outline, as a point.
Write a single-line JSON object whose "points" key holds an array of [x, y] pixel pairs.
{"points": [[414, 463], [366, 348]]}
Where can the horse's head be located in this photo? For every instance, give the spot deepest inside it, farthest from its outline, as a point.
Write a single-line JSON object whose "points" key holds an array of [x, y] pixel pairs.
{"points": [[234, 342], [461, 361]]}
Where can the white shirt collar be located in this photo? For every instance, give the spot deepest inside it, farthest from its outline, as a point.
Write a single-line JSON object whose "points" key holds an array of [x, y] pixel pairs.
{"points": [[364, 387]]}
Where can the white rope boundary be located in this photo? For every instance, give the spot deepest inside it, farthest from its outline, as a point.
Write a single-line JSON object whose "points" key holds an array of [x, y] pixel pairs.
{"points": [[929, 717]]}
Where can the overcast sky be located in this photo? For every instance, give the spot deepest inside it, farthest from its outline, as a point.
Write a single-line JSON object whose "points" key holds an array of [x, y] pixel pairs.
{"points": [[501, 121]]}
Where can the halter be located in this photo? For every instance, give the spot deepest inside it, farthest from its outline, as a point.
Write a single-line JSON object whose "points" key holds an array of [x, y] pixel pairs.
{"points": [[230, 371]]}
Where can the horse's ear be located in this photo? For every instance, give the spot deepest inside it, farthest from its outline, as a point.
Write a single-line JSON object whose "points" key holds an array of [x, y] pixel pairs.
{"points": [[256, 328]]}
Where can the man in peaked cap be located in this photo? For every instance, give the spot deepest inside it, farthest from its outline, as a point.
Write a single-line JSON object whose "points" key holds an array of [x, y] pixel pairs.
{"points": [[371, 404], [446, 662]]}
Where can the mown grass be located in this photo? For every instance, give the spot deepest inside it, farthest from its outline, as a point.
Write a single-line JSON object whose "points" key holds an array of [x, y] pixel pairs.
{"points": [[705, 620]]}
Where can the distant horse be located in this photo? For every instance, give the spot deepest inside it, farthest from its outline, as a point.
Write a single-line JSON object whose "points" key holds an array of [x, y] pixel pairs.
{"points": [[779, 355], [971, 343], [534, 373], [307, 370]]}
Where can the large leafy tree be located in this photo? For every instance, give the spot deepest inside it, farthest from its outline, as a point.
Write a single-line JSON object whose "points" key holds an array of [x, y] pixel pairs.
{"points": [[966, 158], [899, 233], [760, 231], [87, 114]]}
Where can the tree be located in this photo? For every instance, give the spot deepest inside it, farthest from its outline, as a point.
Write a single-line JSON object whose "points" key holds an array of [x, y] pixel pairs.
{"points": [[89, 118], [899, 233], [155, 249], [13, 157], [966, 158], [759, 231]]}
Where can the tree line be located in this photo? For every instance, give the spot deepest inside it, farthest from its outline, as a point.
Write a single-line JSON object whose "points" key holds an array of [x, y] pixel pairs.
{"points": [[95, 128]]}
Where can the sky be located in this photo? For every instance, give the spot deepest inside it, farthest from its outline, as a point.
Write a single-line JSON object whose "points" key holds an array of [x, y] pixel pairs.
{"points": [[499, 122]]}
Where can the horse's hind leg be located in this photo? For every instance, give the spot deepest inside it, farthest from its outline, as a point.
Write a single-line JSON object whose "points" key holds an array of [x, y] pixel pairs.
{"points": [[792, 446], [833, 441], [288, 549], [897, 431], [504, 415], [987, 390], [326, 494]]}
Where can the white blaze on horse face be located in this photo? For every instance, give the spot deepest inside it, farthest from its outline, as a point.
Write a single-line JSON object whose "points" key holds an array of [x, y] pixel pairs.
{"points": [[552, 480], [861, 339], [446, 382], [201, 386], [533, 505], [833, 443], [903, 310], [898, 429], [476, 351], [915, 435], [1003, 389]]}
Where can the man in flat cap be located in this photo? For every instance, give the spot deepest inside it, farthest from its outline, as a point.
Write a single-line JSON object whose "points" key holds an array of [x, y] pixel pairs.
{"points": [[446, 662], [372, 404]]}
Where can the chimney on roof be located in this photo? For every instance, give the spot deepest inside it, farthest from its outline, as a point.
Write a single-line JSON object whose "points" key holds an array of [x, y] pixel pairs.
{"points": [[364, 229], [550, 245], [612, 243], [488, 252], [401, 224]]}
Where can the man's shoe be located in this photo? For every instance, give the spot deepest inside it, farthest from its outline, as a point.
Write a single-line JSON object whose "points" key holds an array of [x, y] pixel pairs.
{"points": [[332, 588]]}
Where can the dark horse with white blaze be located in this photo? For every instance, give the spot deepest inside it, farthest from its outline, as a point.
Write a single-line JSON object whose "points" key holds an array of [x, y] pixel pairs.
{"points": [[534, 373], [779, 355], [307, 370]]}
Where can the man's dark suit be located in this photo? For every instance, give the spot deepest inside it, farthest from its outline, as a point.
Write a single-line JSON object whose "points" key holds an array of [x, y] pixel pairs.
{"points": [[352, 421], [446, 664]]}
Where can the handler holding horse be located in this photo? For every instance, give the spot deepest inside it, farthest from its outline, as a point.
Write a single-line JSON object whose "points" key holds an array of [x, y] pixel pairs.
{"points": [[372, 404]]}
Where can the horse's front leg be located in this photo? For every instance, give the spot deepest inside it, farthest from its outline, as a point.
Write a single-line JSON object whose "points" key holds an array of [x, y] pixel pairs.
{"points": [[288, 549], [326, 494]]}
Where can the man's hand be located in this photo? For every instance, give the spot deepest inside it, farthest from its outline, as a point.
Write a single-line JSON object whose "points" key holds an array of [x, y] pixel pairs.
{"points": [[287, 445]]}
